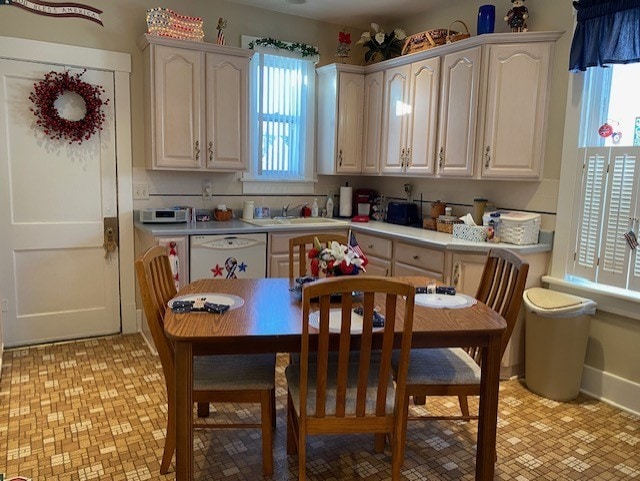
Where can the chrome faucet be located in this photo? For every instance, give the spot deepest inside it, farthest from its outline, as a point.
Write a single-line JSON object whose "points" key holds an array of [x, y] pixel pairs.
{"points": [[285, 209]]}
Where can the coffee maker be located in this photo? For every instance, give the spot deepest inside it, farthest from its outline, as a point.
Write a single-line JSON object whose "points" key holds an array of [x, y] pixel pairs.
{"points": [[363, 200]]}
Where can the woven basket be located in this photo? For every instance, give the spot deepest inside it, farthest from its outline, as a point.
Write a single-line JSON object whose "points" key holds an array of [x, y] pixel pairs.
{"points": [[429, 224], [221, 215], [446, 226], [424, 40], [453, 36]]}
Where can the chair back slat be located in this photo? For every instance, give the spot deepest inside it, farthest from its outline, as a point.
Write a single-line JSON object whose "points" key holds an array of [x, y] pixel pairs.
{"points": [[501, 286], [340, 390], [300, 244], [155, 281]]}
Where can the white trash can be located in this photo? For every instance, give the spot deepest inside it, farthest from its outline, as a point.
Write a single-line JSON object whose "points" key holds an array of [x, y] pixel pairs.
{"points": [[556, 334]]}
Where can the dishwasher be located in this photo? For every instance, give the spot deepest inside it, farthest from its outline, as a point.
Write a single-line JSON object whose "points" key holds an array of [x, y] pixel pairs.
{"points": [[228, 256]]}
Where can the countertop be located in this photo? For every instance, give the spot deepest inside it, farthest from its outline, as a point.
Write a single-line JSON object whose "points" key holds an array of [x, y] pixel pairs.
{"points": [[413, 235]]}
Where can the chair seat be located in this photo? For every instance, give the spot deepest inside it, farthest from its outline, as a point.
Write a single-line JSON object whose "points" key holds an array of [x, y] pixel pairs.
{"points": [[292, 374], [440, 366], [234, 372]]}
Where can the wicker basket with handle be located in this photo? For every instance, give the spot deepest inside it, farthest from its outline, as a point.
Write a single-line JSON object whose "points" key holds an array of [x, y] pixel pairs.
{"points": [[424, 40], [453, 36]]}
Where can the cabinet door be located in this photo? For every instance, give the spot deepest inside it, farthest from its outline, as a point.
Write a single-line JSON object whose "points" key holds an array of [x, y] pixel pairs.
{"points": [[279, 265], [458, 113], [423, 116], [350, 120], [372, 122], [515, 110], [227, 94], [178, 77], [405, 270], [395, 112], [377, 267], [467, 272]]}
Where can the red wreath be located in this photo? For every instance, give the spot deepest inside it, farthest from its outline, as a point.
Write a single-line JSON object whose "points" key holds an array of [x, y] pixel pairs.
{"points": [[48, 90]]}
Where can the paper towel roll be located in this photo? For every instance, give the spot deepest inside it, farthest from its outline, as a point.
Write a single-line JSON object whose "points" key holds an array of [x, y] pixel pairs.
{"points": [[346, 200]]}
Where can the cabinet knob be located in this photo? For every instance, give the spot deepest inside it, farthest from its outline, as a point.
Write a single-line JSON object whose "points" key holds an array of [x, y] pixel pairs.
{"points": [[197, 150], [340, 157], [487, 157], [441, 157], [370, 246], [415, 258], [211, 150]]}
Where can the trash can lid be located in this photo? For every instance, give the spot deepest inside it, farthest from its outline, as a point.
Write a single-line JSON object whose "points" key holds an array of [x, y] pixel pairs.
{"points": [[552, 303]]}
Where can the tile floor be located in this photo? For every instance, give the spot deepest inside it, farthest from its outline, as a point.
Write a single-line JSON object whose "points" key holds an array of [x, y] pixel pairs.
{"points": [[95, 409]]}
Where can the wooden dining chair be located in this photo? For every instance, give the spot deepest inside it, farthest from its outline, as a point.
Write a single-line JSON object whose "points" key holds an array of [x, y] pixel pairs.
{"points": [[223, 378], [354, 392], [456, 371], [300, 245]]}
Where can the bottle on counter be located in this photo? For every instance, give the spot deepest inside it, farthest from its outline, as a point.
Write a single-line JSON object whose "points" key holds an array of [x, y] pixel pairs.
{"points": [[329, 206], [314, 208]]}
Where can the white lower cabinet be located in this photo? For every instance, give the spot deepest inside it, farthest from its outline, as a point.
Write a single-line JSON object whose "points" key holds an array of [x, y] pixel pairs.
{"points": [[379, 251], [278, 257], [466, 272], [413, 260]]}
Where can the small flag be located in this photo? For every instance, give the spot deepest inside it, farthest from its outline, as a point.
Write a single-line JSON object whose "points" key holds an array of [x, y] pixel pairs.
{"points": [[353, 244]]}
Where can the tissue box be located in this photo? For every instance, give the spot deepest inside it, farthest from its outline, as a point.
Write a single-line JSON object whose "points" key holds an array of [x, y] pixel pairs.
{"points": [[472, 233]]}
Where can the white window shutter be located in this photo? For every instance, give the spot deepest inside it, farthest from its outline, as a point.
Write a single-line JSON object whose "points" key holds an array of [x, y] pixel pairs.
{"points": [[590, 216], [621, 196]]}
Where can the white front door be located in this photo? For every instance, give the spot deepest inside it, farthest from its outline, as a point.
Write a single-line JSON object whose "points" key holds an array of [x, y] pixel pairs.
{"points": [[55, 281]]}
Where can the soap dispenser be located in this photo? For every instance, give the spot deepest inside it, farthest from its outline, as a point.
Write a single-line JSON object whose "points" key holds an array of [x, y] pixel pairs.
{"points": [[330, 206], [314, 208]]}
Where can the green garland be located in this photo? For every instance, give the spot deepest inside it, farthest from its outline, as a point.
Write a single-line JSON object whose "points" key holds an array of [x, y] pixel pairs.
{"points": [[302, 48]]}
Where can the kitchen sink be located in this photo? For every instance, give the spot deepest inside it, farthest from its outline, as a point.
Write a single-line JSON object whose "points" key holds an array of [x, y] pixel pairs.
{"points": [[296, 221]]}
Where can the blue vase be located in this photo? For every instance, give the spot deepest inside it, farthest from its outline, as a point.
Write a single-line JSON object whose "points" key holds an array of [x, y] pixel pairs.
{"points": [[486, 19]]}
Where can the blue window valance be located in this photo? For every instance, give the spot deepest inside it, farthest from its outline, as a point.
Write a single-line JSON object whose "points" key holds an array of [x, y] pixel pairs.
{"points": [[607, 32]]}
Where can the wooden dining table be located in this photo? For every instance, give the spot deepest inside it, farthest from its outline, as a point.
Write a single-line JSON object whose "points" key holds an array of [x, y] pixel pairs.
{"points": [[270, 320]]}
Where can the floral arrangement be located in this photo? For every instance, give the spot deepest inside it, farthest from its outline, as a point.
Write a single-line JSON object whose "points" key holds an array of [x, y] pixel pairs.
{"points": [[381, 44], [49, 89], [336, 259], [344, 40]]}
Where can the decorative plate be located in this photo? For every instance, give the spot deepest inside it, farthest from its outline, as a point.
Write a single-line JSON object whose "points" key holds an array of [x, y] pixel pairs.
{"points": [[445, 301], [215, 298], [335, 321]]}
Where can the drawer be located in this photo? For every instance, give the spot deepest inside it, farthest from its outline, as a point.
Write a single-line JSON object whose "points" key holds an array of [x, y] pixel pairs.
{"points": [[422, 257], [279, 241], [375, 246]]}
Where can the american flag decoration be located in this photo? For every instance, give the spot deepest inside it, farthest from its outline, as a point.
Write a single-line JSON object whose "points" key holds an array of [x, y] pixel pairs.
{"points": [[353, 245]]}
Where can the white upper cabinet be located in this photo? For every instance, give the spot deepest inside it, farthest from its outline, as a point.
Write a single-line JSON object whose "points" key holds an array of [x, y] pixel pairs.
{"points": [[410, 117], [227, 84], [373, 91], [196, 105], [458, 113], [515, 110], [179, 108], [475, 108], [340, 119]]}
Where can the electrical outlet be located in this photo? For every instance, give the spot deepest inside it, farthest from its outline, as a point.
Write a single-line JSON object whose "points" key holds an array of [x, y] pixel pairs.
{"points": [[140, 191], [207, 189], [5, 305]]}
